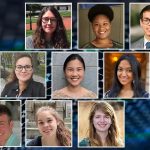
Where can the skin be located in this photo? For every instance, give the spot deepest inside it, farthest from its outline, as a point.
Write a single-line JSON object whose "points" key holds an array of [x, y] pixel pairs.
{"points": [[47, 125], [49, 28], [74, 73], [6, 127], [146, 28], [23, 76], [102, 27]]}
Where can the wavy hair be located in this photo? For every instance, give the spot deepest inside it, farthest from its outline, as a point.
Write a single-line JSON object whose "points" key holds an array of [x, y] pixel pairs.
{"points": [[113, 137], [63, 133], [59, 38], [136, 70]]}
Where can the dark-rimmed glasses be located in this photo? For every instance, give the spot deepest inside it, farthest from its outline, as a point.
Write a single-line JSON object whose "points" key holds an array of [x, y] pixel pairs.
{"points": [[26, 67], [146, 21], [52, 20]]}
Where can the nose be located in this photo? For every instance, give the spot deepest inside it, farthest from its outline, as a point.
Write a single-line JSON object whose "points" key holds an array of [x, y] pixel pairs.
{"points": [[23, 70], [74, 73], [49, 21], [45, 124], [124, 73]]}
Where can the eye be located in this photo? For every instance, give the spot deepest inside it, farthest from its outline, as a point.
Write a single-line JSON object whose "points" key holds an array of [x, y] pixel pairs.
{"points": [[41, 123], [49, 120], [120, 69]]}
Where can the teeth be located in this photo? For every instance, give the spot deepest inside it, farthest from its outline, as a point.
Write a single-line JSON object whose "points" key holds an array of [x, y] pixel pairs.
{"points": [[74, 79]]}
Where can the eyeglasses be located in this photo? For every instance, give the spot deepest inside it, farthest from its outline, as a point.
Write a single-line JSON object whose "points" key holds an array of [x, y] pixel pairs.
{"points": [[46, 20], [27, 68], [146, 21], [127, 70]]}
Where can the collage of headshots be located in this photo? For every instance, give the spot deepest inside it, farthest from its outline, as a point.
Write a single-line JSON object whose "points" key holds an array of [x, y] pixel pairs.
{"points": [[75, 75]]}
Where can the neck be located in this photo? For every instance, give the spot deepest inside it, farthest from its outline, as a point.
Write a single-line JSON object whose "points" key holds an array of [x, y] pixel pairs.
{"points": [[50, 141], [48, 37], [102, 136], [74, 89], [103, 41], [127, 87], [22, 86]]}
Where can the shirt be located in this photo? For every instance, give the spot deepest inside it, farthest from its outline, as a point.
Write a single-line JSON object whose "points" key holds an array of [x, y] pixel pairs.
{"points": [[13, 141]]}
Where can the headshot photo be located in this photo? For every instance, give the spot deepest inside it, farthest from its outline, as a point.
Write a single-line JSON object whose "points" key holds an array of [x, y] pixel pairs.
{"points": [[48, 26], [49, 123], [100, 26], [140, 26], [10, 124], [23, 75], [74, 75], [126, 75], [101, 124]]}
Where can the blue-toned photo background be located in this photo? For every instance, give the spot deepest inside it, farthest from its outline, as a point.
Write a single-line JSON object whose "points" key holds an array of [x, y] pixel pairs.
{"points": [[12, 37]]}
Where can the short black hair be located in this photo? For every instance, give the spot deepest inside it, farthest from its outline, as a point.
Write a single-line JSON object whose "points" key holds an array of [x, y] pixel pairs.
{"points": [[146, 8], [100, 9], [5, 110]]}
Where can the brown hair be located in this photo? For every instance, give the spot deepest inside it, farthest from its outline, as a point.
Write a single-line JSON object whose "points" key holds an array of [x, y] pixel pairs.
{"points": [[63, 133]]}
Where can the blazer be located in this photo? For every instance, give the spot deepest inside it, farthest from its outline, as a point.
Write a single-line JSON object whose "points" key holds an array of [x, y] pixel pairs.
{"points": [[34, 89], [139, 44]]}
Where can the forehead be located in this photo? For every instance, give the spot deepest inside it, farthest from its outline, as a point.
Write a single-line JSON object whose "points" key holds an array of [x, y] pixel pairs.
{"points": [[3, 117], [48, 14], [74, 62], [101, 17], [100, 112], [45, 114], [23, 60], [124, 63], [146, 14]]}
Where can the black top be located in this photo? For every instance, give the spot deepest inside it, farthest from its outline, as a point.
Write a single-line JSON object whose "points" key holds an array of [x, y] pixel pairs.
{"points": [[34, 89], [35, 142]]}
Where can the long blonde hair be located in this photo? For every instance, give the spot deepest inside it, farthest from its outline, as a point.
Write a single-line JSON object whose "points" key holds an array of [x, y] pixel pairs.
{"points": [[112, 138], [63, 133]]}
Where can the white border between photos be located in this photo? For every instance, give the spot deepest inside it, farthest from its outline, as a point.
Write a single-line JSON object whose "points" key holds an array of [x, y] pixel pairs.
{"points": [[130, 52], [107, 3], [49, 4], [45, 83], [77, 52], [19, 101], [49, 101], [98, 101], [130, 7]]}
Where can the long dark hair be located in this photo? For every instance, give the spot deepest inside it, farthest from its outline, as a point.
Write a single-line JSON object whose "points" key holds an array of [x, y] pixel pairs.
{"points": [[59, 38], [136, 70]]}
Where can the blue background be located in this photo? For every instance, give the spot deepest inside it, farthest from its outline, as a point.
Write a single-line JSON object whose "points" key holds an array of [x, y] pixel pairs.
{"points": [[12, 37]]}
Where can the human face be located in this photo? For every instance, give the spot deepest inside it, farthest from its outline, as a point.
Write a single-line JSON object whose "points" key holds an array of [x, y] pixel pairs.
{"points": [[146, 27], [6, 127], [49, 22], [24, 75], [74, 72], [47, 123], [101, 27], [124, 73], [101, 121]]}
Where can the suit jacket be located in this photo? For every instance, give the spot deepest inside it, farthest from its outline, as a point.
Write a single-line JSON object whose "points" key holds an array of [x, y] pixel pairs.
{"points": [[139, 44]]}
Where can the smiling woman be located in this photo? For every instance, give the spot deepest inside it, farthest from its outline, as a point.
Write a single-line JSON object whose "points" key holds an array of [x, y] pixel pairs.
{"points": [[74, 71]]}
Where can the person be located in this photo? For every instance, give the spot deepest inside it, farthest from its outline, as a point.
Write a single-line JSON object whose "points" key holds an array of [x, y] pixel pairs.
{"points": [[52, 129], [103, 127], [21, 82], [50, 31], [127, 79], [100, 16], [144, 42], [74, 69], [7, 137]]}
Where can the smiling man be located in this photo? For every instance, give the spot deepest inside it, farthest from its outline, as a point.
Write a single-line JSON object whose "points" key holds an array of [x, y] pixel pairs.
{"points": [[7, 137], [144, 42]]}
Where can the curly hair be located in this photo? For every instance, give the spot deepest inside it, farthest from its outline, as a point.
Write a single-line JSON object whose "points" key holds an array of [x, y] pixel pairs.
{"points": [[63, 133], [112, 138], [59, 38]]}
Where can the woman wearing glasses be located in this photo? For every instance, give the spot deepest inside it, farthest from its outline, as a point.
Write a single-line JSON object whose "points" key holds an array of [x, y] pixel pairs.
{"points": [[22, 83], [127, 79], [50, 31]]}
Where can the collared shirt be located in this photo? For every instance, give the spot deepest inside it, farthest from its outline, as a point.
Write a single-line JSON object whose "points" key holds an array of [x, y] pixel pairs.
{"points": [[145, 41], [13, 141]]}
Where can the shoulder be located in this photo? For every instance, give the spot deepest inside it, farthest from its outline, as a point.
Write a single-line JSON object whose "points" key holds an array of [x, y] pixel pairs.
{"points": [[117, 44], [89, 94], [35, 142], [145, 94], [88, 45], [84, 142], [29, 42], [138, 44], [36, 84], [59, 94]]}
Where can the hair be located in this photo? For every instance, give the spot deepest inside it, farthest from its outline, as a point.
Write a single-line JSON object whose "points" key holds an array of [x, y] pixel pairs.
{"points": [[73, 57], [113, 136], [146, 8], [5, 110], [100, 9], [63, 133], [13, 76], [59, 38], [136, 70]]}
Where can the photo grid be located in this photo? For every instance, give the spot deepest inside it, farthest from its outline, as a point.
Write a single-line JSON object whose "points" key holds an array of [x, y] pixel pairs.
{"points": [[80, 81]]}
